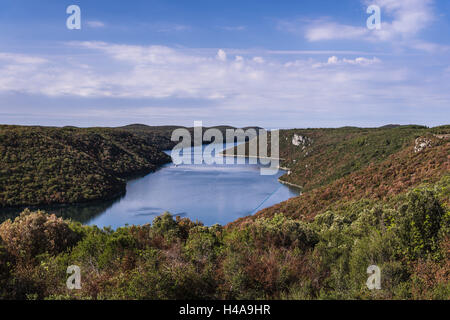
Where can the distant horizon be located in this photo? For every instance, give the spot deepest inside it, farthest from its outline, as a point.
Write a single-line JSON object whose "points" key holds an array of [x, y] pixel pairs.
{"points": [[225, 125]]}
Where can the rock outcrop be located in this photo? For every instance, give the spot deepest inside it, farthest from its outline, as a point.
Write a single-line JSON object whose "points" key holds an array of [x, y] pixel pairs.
{"points": [[298, 140], [422, 143]]}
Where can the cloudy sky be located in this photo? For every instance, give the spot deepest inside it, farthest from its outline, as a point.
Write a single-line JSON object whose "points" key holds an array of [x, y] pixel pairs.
{"points": [[270, 63]]}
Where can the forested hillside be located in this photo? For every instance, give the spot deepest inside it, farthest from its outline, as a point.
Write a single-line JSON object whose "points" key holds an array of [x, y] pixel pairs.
{"points": [[317, 157], [343, 172], [42, 165]]}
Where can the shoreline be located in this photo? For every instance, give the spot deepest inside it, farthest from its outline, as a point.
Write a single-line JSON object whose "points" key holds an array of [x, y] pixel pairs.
{"points": [[289, 184], [244, 156], [279, 167], [110, 196]]}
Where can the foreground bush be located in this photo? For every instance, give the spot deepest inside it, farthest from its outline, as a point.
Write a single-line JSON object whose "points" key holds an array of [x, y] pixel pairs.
{"points": [[35, 233]]}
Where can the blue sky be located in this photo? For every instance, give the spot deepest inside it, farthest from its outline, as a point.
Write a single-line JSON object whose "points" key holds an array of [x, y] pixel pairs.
{"points": [[267, 63]]}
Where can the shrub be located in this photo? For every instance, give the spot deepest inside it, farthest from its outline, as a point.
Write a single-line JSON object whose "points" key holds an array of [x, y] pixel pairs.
{"points": [[202, 245], [281, 231], [5, 270], [266, 258], [35, 233], [419, 223], [166, 227]]}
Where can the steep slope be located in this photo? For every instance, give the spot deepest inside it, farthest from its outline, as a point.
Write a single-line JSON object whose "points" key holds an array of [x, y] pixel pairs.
{"points": [[319, 156], [41, 165], [423, 160]]}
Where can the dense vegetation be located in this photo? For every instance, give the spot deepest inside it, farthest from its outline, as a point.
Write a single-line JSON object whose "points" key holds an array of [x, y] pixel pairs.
{"points": [[41, 165], [276, 257], [380, 180], [330, 154], [372, 196], [322, 156]]}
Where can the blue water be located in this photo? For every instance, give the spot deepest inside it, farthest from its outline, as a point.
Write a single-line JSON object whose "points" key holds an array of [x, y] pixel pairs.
{"points": [[218, 193]]}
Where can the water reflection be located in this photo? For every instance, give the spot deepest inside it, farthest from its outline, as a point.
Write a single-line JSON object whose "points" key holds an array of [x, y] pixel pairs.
{"points": [[79, 212]]}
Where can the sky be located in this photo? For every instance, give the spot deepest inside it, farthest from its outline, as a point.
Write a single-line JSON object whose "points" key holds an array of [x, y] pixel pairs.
{"points": [[270, 63]]}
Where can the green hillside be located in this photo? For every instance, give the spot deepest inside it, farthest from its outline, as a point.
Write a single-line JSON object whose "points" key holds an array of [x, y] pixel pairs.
{"points": [[42, 165], [329, 154], [348, 164]]}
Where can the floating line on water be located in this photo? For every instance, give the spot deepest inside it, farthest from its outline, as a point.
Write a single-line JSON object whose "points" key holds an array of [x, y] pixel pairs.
{"points": [[267, 198]]}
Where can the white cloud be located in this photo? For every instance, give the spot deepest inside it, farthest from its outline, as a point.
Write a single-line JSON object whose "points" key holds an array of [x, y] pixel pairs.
{"points": [[240, 86], [335, 61], [401, 24], [221, 55], [258, 59], [21, 58], [332, 60], [233, 28], [95, 24], [171, 27], [408, 17], [362, 61], [321, 30], [427, 46]]}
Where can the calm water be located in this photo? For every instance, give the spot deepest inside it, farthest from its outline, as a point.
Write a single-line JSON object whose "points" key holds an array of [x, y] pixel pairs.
{"points": [[208, 193]]}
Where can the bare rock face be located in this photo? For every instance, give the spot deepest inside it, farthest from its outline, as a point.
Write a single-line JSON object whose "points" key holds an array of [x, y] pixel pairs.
{"points": [[298, 140], [422, 143]]}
